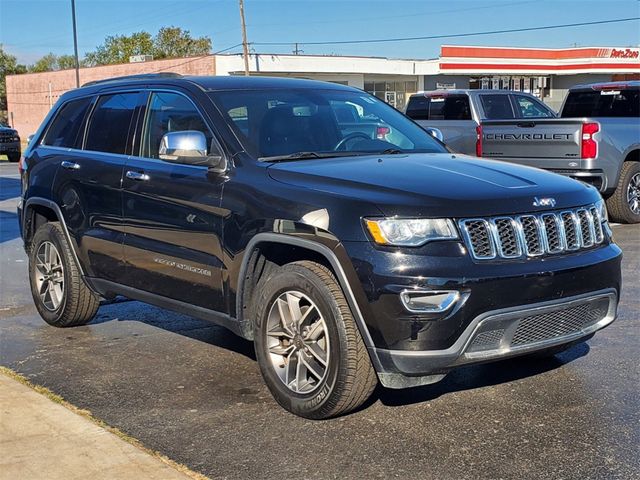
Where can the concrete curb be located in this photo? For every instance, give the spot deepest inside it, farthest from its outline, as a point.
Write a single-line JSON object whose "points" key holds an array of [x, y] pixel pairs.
{"points": [[42, 436]]}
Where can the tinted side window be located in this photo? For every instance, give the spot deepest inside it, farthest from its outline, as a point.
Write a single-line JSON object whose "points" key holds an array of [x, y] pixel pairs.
{"points": [[170, 112], [529, 108], [65, 130], [450, 107], [605, 103], [496, 107], [456, 107], [581, 104], [110, 122], [418, 108]]}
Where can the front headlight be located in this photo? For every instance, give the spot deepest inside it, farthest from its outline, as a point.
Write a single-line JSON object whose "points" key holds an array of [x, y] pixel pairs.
{"points": [[601, 208], [410, 232]]}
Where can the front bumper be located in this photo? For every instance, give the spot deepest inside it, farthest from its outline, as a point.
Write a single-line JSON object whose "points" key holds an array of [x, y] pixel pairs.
{"points": [[9, 147], [409, 348], [502, 334]]}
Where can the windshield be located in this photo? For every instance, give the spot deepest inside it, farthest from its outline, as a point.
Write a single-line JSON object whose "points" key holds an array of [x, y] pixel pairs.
{"points": [[308, 123]]}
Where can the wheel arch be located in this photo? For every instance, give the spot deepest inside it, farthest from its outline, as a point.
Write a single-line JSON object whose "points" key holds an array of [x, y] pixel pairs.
{"points": [[255, 262], [633, 155], [38, 211]]}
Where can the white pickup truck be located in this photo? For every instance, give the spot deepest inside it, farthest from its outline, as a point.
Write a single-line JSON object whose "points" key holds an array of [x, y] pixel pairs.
{"points": [[596, 137]]}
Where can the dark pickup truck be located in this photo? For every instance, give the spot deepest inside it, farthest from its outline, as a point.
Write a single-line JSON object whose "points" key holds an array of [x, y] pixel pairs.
{"points": [[348, 260]]}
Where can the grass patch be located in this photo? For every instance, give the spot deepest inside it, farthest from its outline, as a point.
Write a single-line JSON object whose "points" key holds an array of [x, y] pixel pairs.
{"points": [[87, 414]]}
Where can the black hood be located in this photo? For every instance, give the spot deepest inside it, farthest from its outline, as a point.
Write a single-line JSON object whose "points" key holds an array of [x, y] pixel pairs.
{"points": [[441, 185]]}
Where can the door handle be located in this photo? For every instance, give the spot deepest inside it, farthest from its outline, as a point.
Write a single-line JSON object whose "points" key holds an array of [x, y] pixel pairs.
{"points": [[526, 124], [70, 165], [139, 176]]}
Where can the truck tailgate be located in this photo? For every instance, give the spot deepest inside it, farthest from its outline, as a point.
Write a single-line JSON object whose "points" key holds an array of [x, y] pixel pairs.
{"points": [[552, 138]]}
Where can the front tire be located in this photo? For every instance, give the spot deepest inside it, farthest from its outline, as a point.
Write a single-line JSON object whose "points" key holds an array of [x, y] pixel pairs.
{"points": [[13, 157], [308, 346], [59, 292], [624, 205]]}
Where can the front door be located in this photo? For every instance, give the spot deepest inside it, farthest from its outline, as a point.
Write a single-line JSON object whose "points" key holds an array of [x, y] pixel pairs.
{"points": [[172, 215]]}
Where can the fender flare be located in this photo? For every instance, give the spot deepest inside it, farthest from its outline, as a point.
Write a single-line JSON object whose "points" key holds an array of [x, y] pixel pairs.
{"points": [[317, 247], [56, 209]]}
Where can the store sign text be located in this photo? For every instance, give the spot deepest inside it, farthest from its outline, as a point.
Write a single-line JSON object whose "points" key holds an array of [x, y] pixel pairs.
{"points": [[625, 53]]}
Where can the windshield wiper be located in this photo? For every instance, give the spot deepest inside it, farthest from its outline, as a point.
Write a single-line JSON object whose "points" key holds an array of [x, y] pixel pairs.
{"points": [[302, 156], [391, 151]]}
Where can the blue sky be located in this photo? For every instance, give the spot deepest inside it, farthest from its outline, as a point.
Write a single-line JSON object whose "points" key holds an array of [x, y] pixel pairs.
{"points": [[32, 28]]}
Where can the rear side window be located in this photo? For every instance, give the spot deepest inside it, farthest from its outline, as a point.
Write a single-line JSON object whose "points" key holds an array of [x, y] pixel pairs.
{"points": [[450, 107], [66, 128], [529, 108], [109, 125], [496, 107], [605, 103]]}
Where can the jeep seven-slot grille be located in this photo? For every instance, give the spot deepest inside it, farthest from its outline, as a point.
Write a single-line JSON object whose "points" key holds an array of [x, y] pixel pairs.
{"points": [[533, 235]]}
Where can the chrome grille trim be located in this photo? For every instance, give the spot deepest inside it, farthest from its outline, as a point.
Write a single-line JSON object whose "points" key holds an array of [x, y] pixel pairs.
{"points": [[532, 235]]}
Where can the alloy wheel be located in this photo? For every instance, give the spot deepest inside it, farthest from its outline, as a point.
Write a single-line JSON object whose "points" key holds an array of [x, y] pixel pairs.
{"points": [[49, 276], [297, 342], [633, 194]]}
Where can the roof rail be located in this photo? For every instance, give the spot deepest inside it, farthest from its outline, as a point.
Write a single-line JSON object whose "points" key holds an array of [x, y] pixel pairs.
{"points": [[141, 76]]}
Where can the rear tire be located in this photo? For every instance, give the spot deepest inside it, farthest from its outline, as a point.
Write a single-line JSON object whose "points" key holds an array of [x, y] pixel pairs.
{"points": [[308, 346], [59, 292], [624, 205]]}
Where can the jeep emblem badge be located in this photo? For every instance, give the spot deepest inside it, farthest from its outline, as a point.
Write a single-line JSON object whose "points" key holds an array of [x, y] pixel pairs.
{"points": [[544, 202]]}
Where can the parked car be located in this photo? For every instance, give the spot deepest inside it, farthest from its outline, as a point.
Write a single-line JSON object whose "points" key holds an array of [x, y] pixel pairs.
{"points": [[596, 139], [348, 260], [9, 143]]}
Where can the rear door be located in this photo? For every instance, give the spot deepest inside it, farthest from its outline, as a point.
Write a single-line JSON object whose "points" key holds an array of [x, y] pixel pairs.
{"points": [[88, 183], [449, 113], [514, 129], [172, 214]]}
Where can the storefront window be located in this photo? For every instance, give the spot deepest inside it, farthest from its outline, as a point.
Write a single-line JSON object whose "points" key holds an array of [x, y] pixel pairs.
{"points": [[394, 93]]}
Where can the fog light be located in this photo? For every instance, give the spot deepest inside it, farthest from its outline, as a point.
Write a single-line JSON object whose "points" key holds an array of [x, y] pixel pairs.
{"points": [[429, 301]]}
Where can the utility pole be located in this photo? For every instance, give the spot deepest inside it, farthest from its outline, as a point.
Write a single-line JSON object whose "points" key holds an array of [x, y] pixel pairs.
{"points": [[245, 46], [296, 50], [75, 42]]}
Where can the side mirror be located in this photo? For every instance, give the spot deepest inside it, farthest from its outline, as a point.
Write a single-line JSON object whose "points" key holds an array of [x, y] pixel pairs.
{"points": [[29, 138], [187, 146], [435, 133]]}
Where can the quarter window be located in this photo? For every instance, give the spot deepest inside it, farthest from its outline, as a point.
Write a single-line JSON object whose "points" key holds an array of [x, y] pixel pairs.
{"points": [[110, 123], [171, 112], [66, 128]]}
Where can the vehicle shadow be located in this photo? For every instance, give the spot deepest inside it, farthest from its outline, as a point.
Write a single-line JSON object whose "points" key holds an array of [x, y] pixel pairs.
{"points": [[463, 378], [478, 376], [124, 309]]}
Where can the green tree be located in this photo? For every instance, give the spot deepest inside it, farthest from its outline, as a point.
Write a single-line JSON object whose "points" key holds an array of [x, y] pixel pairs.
{"points": [[8, 66], [118, 49], [169, 42], [51, 62], [173, 42], [66, 62]]}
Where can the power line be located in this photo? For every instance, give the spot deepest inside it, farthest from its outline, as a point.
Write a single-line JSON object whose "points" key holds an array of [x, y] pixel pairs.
{"points": [[456, 35]]}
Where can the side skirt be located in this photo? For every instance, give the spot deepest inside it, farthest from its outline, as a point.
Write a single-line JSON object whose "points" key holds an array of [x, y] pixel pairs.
{"points": [[107, 288]]}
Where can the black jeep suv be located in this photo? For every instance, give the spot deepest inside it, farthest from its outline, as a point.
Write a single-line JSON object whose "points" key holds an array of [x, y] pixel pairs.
{"points": [[349, 256], [9, 143]]}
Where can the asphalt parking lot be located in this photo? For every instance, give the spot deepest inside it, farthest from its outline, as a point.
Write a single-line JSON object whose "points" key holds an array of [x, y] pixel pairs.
{"points": [[193, 391]]}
